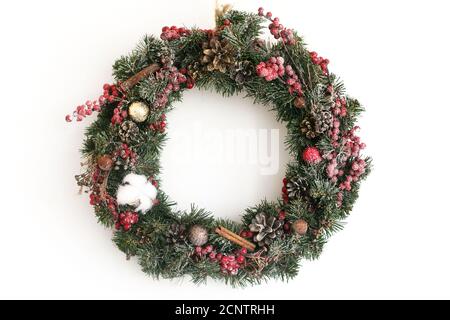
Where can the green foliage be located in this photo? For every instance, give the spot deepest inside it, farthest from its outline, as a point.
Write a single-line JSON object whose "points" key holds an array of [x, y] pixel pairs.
{"points": [[317, 206]]}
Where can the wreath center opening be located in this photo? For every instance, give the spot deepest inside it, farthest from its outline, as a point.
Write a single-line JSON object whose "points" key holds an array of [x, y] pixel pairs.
{"points": [[221, 149]]}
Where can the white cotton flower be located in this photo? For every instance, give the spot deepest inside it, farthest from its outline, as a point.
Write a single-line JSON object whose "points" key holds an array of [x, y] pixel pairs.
{"points": [[138, 192]]}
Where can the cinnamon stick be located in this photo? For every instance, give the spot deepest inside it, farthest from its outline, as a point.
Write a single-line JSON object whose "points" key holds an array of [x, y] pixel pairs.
{"points": [[134, 80], [231, 236]]}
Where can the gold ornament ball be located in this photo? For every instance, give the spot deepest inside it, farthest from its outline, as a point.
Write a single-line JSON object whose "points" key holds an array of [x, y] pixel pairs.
{"points": [[300, 227], [138, 112], [198, 235], [105, 163]]}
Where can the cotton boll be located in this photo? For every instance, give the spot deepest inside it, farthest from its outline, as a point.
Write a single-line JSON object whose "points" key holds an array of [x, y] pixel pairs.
{"points": [[145, 205], [150, 191], [128, 195], [138, 192], [135, 180]]}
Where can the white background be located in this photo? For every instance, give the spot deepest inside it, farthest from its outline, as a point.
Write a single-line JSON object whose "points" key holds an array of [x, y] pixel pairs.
{"points": [[393, 55]]}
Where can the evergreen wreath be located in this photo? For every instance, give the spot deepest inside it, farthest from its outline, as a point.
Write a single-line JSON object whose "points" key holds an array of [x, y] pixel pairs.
{"points": [[123, 146]]}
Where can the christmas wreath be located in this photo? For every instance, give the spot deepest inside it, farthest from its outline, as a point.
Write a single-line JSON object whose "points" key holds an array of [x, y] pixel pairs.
{"points": [[122, 150]]}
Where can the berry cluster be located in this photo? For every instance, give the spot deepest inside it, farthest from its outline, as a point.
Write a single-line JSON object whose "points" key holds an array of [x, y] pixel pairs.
{"points": [[274, 68], [271, 69], [112, 207], [175, 78], [110, 94], [97, 179], [84, 110], [284, 190], [334, 132], [230, 264], [340, 107], [293, 81], [127, 220], [173, 33], [358, 168], [352, 143], [205, 251], [118, 116], [190, 83], [159, 126], [125, 153], [333, 171], [277, 29], [94, 199], [312, 155], [323, 63], [352, 147], [339, 110]]}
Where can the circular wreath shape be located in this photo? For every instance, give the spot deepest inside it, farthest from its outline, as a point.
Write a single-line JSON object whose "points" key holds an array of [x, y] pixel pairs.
{"points": [[122, 150]]}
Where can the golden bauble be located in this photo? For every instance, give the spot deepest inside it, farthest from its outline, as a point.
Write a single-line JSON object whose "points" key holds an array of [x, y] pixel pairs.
{"points": [[300, 227], [138, 112]]}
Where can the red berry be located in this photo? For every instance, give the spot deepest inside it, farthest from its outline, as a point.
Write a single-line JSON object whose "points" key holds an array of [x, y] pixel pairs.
{"points": [[282, 215], [243, 251], [190, 83], [240, 259]]}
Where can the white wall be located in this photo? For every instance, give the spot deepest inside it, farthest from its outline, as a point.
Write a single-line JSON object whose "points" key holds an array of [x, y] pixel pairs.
{"points": [[393, 56]]}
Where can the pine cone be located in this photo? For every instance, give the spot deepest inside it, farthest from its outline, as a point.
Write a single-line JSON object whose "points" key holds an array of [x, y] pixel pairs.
{"points": [[218, 55], [143, 238], [266, 229], [194, 70], [129, 132], [323, 119], [296, 188], [242, 71], [176, 234], [308, 128]]}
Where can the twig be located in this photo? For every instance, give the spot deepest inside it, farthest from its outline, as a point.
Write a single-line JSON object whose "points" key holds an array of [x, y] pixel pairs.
{"points": [[134, 80], [227, 234], [104, 186]]}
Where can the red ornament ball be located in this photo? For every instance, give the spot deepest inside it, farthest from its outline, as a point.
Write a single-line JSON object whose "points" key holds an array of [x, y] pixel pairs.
{"points": [[312, 155]]}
